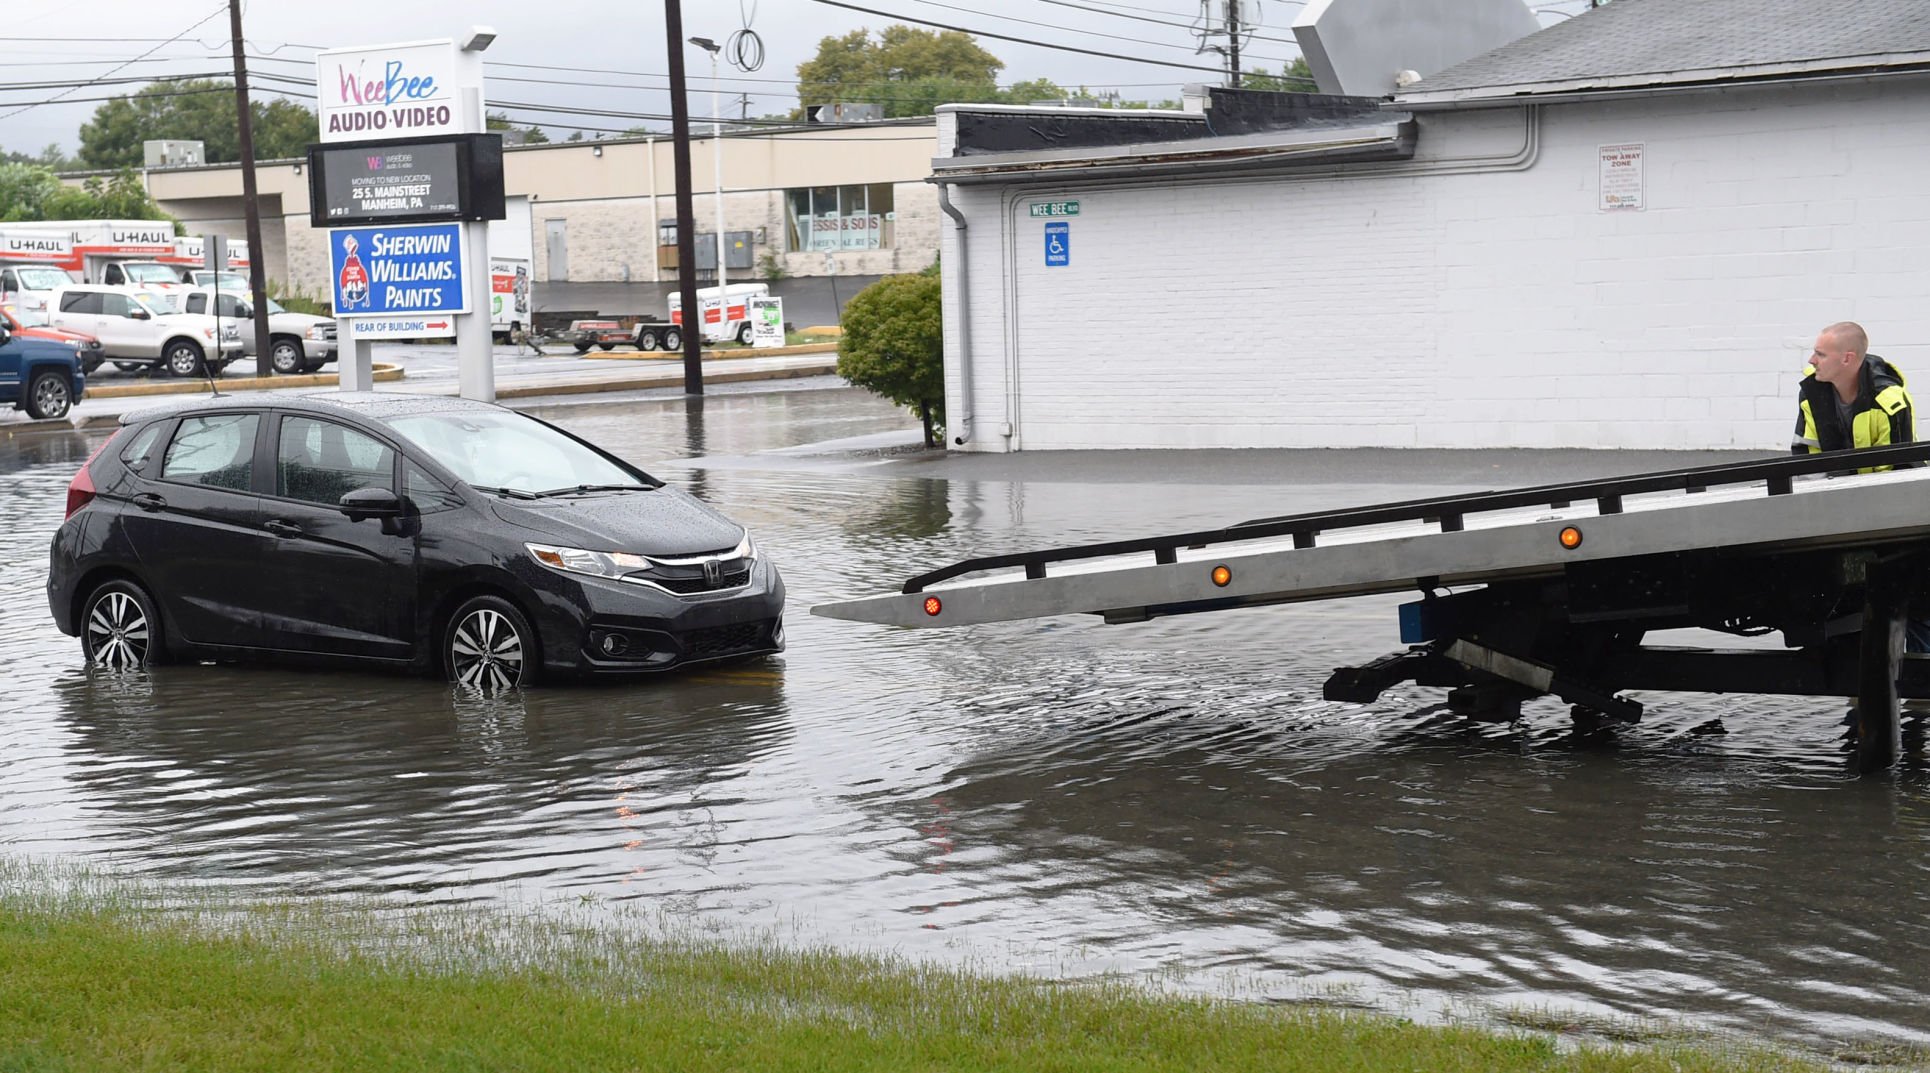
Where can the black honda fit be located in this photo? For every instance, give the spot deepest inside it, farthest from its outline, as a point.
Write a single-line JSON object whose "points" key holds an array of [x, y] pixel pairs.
{"points": [[457, 537]]}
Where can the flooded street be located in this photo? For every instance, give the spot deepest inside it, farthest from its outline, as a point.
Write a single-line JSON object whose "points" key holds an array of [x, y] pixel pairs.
{"points": [[1169, 798]]}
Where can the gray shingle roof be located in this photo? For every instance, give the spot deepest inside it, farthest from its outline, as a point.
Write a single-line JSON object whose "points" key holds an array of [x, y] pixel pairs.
{"points": [[1673, 42]]}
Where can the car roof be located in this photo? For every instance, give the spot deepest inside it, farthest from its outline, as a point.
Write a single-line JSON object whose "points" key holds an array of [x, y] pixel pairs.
{"points": [[378, 405]]}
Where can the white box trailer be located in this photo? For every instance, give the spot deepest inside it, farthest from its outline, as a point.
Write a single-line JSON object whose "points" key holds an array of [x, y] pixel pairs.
{"points": [[726, 313]]}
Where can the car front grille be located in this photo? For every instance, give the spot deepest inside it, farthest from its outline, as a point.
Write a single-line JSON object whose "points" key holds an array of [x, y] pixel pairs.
{"points": [[689, 579], [685, 586], [727, 640]]}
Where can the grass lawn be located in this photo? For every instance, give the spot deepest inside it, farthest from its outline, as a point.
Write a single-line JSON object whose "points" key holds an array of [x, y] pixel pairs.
{"points": [[109, 981]]}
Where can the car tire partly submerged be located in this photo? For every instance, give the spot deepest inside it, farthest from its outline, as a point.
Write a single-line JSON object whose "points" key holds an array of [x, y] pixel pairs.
{"points": [[489, 647], [119, 630]]}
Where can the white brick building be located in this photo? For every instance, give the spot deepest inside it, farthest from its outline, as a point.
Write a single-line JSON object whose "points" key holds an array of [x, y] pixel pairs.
{"points": [[1445, 271]]}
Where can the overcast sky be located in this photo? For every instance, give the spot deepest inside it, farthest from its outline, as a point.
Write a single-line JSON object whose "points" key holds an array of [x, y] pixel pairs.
{"points": [[59, 41]]}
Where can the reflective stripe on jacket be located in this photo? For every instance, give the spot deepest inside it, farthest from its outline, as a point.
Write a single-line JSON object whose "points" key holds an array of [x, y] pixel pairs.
{"points": [[1881, 413]]}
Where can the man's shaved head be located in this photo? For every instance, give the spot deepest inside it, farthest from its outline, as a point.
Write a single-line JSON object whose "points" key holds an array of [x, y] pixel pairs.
{"points": [[1849, 335]]}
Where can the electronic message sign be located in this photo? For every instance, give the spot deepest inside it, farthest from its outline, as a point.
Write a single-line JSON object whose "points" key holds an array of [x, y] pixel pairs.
{"points": [[427, 180]]}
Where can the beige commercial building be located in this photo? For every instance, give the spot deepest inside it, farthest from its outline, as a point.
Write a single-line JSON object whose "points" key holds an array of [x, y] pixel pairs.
{"points": [[808, 201]]}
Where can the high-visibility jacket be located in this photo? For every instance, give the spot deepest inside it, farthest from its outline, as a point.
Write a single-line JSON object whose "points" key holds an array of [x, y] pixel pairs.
{"points": [[1881, 413]]}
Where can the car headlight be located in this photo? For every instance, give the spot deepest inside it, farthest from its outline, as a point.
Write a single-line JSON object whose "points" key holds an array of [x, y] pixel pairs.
{"points": [[613, 564], [314, 332]]}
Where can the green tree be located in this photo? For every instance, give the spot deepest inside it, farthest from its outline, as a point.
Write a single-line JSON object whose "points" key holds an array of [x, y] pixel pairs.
{"points": [[894, 345], [1295, 77], [908, 70], [200, 110], [30, 192], [532, 134]]}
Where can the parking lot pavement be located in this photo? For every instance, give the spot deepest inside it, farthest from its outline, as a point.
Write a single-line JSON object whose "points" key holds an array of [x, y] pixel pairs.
{"points": [[431, 370]]}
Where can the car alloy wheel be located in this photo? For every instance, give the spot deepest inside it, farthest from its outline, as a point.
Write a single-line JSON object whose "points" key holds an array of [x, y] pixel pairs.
{"points": [[285, 356], [119, 630], [490, 648], [49, 396], [184, 359]]}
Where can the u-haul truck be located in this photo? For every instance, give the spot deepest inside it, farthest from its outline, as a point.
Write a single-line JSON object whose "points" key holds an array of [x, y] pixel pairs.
{"points": [[144, 254], [727, 315]]}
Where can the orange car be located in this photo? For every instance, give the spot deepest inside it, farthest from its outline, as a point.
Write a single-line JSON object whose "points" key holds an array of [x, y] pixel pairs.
{"points": [[91, 353]]}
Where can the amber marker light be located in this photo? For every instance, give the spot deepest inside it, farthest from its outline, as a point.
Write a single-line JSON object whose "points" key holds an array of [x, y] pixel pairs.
{"points": [[1222, 576], [1571, 537], [933, 605]]}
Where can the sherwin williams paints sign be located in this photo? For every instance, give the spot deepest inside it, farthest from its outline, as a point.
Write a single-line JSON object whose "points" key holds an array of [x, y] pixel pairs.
{"points": [[397, 271], [394, 91]]}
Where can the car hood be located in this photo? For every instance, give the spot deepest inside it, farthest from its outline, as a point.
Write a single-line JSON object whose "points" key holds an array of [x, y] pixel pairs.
{"points": [[667, 522], [60, 335], [292, 321]]}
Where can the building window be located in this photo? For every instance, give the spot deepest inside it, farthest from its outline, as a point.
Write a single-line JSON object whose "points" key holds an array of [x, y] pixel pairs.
{"points": [[839, 218]]}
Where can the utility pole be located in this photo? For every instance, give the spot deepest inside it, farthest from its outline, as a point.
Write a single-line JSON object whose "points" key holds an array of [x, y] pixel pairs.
{"points": [[251, 199], [1233, 42], [693, 317]]}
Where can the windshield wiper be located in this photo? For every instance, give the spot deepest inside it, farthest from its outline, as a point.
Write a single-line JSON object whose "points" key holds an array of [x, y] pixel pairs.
{"points": [[576, 488], [513, 493]]}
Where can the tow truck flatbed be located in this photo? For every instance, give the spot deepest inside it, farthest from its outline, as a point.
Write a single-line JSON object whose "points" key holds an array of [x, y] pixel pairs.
{"points": [[1569, 577]]}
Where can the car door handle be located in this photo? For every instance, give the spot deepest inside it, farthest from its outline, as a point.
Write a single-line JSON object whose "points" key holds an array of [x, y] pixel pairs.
{"points": [[148, 501], [281, 528]]}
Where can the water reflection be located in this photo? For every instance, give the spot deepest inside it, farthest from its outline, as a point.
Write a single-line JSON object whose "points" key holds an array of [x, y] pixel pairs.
{"points": [[380, 782]]}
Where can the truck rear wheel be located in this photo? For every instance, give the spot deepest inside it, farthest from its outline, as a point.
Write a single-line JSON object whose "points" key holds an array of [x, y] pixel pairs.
{"points": [[673, 339], [647, 339]]}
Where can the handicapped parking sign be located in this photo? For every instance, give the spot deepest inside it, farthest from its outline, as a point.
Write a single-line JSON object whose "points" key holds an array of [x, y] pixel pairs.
{"points": [[1058, 245]]}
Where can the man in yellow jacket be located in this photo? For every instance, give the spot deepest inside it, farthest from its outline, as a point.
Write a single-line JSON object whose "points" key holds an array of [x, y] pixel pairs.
{"points": [[1851, 398]]}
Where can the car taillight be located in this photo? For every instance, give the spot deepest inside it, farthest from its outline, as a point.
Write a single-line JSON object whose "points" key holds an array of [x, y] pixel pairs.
{"points": [[80, 490]]}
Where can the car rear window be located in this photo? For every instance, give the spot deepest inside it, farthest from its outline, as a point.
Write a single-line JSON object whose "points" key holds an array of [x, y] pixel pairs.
{"points": [[141, 448], [217, 450]]}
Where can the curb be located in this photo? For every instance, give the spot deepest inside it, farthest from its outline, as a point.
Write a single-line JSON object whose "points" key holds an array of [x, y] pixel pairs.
{"points": [[380, 373], [717, 355], [592, 387]]}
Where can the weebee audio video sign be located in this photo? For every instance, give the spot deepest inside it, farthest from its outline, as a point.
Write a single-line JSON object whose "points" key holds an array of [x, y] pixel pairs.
{"points": [[429, 180]]}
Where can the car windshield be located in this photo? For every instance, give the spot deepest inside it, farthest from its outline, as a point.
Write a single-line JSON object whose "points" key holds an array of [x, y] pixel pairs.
{"points": [[151, 273], [505, 449], [227, 281], [43, 279], [155, 303]]}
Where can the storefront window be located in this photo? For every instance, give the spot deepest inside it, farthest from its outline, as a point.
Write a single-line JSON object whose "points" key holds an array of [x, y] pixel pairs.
{"points": [[839, 218]]}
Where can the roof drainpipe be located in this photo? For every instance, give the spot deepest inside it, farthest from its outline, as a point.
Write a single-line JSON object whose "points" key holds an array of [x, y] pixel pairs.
{"points": [[964, 316]]}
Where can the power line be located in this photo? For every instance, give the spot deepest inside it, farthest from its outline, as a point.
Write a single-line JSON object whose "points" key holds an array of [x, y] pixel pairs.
{"points": [[1019, 40], [1161, 22], [1052, 26], [222, 10]]}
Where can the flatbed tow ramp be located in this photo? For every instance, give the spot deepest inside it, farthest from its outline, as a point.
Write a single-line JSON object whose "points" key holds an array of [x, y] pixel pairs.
{"points": [[1543, 591]]}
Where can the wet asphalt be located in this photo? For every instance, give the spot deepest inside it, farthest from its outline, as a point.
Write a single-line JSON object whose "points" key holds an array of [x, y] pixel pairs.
{"points": [[1171, 799]]}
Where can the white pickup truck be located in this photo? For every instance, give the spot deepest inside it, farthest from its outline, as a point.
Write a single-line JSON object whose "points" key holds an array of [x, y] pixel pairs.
{"points": [[142, 329], [297, 342]]}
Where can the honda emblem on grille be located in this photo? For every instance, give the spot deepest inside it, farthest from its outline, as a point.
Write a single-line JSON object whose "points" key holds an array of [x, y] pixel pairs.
{"points": [[713, 573]]}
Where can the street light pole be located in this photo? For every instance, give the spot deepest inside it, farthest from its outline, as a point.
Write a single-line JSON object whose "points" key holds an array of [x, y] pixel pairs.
{"points": [[717, 178]]}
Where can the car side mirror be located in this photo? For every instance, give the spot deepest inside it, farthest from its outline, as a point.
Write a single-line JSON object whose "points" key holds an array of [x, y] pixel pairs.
{"points": [[5, 335], [371, 503], [140, 313]]}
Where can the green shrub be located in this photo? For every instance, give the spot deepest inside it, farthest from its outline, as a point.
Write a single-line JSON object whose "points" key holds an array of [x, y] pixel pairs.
{"points": [[894, 345]]}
